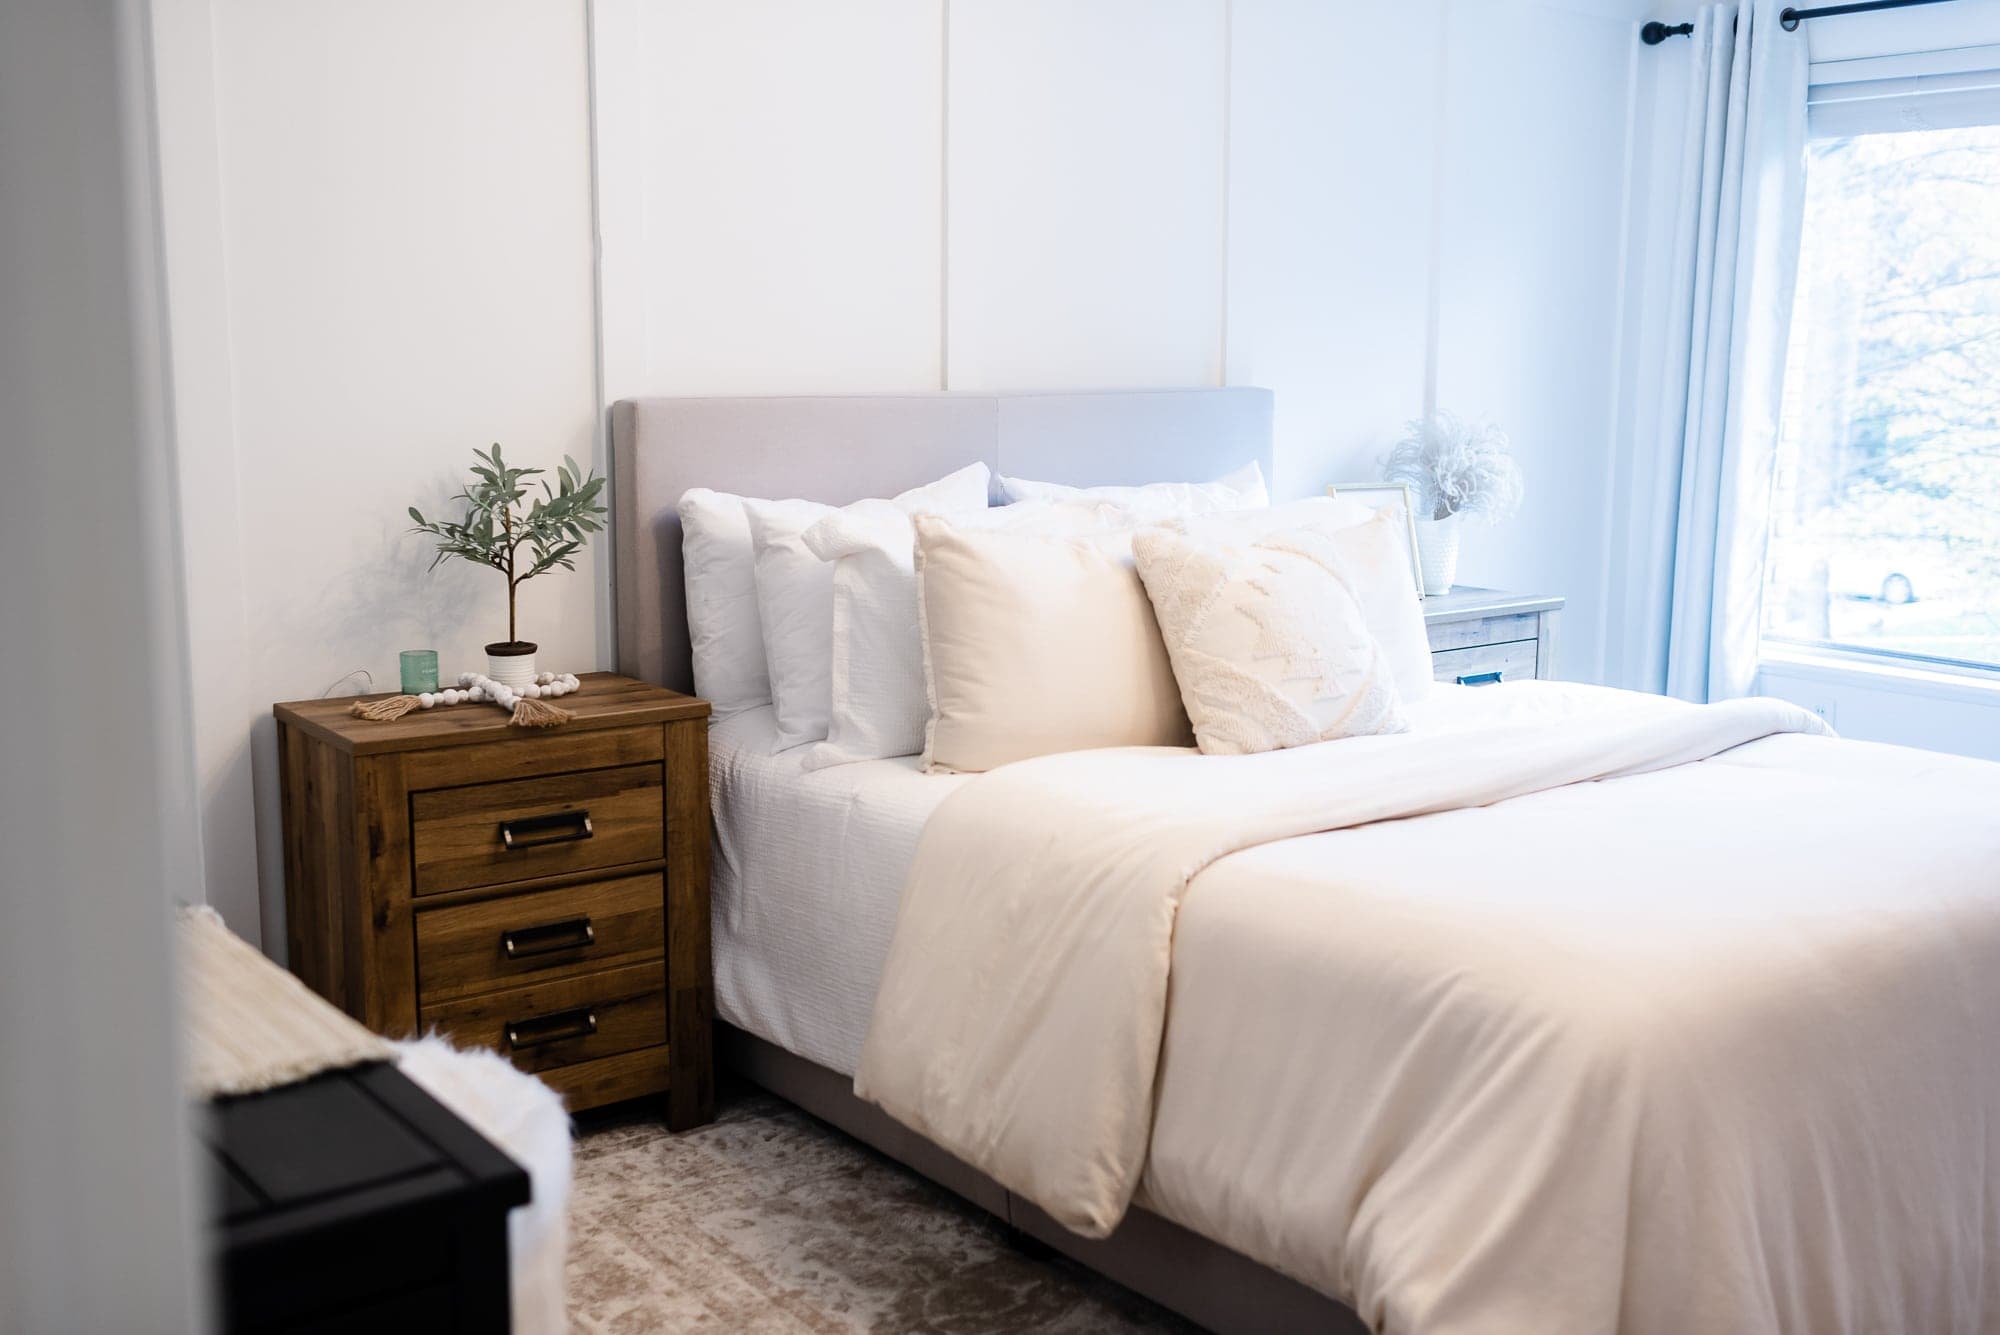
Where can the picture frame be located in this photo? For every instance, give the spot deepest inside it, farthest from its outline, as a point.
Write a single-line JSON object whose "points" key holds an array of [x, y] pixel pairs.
{"points": [[1381, 495]]}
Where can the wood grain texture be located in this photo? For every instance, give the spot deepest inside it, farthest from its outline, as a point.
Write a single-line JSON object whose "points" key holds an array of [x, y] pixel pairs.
{"points": [[1545, 649], [457, 833], [382, 956], [1468, 601], [1514, 662], [524, 756], [316, 801], [606, 700], [461, 950], [1475, 631], [628, 1005], [417, 803], [1483, 630], [628, 1075], [690, 981]]}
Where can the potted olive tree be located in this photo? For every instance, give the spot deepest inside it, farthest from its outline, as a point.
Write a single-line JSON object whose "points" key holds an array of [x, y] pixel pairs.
{"points": [[497, 526]]}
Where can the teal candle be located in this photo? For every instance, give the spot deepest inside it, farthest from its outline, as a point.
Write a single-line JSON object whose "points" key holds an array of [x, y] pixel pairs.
{"points": [[420, 671]]}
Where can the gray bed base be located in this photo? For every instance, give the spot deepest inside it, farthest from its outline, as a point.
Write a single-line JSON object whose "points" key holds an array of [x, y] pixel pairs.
{"points": [[1209, 1284]]}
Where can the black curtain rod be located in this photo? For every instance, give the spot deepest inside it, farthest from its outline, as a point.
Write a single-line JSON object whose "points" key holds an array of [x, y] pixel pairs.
{"points": [[1789, 19]]}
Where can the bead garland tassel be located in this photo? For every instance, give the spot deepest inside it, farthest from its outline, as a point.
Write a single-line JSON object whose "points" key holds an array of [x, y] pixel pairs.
{"points": [[528, 704]]}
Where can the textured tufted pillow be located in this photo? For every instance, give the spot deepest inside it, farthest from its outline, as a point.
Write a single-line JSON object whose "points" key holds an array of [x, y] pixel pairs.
{"points": [[1267, 640], [1375, 559]]}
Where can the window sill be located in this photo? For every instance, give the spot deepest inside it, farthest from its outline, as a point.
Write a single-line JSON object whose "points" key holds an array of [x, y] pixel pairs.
{"points": [[1969, 686]]}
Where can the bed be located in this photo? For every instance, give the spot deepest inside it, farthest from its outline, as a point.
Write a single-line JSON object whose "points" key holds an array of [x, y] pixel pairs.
{"points": [[1638, 1018]]}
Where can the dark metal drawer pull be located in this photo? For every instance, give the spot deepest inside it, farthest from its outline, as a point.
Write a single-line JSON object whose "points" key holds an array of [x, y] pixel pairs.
{"points": [[569, 934], [561, 827], [580, 1023], [1480, 679]]}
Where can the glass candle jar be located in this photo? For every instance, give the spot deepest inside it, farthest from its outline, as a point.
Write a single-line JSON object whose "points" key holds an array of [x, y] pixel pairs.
{"points": [[420, 671]]}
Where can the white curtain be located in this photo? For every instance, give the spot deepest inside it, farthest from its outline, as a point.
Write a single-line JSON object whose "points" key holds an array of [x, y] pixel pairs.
{"points": [[1735, 261]]}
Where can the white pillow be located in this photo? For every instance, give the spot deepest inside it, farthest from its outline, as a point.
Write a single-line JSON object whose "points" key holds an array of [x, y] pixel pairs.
{"points": [[1267, 641], [723, 628], [795, 597], [1244, 526], [1036, 643], [1241, 490], [1375, 559], [877, 699], [876, 668]]}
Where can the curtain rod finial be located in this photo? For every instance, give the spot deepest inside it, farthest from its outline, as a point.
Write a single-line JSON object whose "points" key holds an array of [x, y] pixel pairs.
{"points": [[1656, 32]]}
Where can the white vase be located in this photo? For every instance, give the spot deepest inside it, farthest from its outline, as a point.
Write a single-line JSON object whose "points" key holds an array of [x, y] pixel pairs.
{"points": [[514, 669], [1437, 553]]}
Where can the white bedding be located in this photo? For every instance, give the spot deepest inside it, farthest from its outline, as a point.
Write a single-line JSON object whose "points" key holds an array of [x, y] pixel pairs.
{"points": [[809, 866], [1707, 1046]]}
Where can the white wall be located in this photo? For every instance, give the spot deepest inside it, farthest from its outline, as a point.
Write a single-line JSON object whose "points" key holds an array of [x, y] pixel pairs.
{"points": [[1537, 145], [1367, 208], [381, 225], [1086, 195], [380, 252]]}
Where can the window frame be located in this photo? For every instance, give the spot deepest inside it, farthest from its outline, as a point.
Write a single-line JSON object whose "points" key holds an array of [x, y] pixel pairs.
{"points": [[1911, 92]]}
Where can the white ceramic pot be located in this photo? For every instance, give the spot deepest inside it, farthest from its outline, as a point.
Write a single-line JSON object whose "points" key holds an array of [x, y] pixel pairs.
{"points": [[513, 665], [1437, 553]]}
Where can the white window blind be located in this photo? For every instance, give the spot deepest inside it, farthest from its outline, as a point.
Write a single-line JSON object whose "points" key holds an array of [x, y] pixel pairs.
{"points": [[1929, 90]]}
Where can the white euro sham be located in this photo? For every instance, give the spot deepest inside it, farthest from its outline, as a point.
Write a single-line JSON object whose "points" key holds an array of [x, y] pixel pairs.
{"points": [[1242, 489], [794, 589]]}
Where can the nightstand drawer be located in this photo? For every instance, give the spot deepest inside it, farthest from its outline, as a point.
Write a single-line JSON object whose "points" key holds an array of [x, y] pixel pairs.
{"points": [[558, 1023], [471, 948], [1484, 631], [492, 833], [1486, 664]]}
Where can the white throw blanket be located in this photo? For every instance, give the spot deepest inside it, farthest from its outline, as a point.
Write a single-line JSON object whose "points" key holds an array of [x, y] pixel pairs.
{"points": [[1020, 1014]]}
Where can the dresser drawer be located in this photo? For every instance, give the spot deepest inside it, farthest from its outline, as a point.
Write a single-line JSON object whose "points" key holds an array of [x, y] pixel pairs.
{"points": [[1478, 665], [492, 833], [562, 1021], [471, 948]]}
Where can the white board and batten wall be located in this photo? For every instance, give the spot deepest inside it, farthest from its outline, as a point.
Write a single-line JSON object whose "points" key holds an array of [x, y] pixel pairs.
{"points": [[397, 231], [1368, 208], [379, 253]]}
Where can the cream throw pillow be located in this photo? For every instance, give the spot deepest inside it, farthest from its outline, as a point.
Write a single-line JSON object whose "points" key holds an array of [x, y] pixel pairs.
{"points": [[1036, 643], [879, 706], [1267, 641]]}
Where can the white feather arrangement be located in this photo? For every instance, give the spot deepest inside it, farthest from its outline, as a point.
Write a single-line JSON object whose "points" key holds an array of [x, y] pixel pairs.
{"points": [[1457, 468]]}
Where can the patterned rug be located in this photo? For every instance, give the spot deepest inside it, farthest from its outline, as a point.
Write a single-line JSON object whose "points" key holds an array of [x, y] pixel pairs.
{"points": [[770, 1221]]}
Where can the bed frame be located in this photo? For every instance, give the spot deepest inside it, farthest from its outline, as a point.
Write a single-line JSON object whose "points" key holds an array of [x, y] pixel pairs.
{"points": [[841, 449]]}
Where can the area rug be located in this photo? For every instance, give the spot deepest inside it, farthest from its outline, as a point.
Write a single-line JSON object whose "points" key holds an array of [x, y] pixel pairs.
{"points": [[770, 1221]]}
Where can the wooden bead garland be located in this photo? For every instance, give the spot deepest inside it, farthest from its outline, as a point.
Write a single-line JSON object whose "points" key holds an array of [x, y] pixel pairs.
{"points": [[528, 704]]}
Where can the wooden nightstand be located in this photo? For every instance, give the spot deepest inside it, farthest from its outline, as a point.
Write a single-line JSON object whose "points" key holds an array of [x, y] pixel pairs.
{"points": [[1482, 636], [542, 892]]}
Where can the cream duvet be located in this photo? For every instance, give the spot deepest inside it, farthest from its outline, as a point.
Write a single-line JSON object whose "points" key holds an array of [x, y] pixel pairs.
{"points": [[1570, 1010]]}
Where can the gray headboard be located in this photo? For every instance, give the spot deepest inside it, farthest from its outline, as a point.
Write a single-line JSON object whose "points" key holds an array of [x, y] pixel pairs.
{"points": [[842, 449]]}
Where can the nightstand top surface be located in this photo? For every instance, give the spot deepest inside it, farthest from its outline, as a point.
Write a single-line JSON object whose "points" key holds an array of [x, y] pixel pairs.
{"points": [[1465, 602], [606, 700]]}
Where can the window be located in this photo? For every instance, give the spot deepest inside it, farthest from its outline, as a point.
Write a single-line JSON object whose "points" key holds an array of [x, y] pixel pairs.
{"points": [[1885, 523]]}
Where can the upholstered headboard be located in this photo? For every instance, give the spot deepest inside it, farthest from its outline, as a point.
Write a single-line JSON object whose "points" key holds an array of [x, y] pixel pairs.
{"points": [[841, 449]]}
